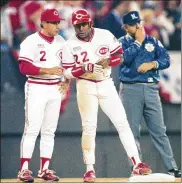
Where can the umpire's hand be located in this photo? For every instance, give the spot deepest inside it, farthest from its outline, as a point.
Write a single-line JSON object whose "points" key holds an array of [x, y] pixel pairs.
{"points": [[146, 67]]}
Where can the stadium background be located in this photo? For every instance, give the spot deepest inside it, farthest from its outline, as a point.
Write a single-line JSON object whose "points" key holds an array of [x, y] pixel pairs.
{"points": [[19, 19]]}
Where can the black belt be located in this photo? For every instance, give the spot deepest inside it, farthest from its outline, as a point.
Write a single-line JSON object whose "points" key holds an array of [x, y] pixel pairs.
{"points": [[138, 82]]}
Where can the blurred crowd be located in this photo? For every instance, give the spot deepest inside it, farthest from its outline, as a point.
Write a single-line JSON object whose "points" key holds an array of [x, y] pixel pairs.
{"points": [[161, 18]]}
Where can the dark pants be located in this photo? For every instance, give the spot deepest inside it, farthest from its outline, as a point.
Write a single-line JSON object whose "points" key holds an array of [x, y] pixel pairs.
{"points": [[142, 100]]}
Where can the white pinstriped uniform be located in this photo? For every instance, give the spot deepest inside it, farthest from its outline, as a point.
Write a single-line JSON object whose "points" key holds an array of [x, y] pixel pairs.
{"points": [[42, 97], [97, 89]]}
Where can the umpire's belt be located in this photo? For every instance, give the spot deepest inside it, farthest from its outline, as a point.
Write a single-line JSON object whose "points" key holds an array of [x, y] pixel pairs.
{"points": [[138, 82]]}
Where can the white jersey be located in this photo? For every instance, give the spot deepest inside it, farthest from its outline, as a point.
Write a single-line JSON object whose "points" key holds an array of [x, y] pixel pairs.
{"points": [[102, 44], [41, 53]]}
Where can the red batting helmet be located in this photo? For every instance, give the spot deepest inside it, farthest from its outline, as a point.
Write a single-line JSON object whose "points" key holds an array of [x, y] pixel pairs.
{"points": [[80, 16]]}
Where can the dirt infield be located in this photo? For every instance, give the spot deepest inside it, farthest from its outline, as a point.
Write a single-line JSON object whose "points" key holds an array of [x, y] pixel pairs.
{"points": [[80, 180]]}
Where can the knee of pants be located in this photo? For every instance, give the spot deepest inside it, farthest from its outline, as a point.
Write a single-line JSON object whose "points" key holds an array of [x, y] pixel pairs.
{"points": [[160, 132], [31, 132], [122, 125], [46, 134], [89, 130]]}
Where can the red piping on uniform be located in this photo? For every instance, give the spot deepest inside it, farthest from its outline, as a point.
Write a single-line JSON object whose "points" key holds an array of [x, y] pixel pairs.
{"points": [[133, 160], [44, 83], [66, 65], [118, 50], [24, 59]]}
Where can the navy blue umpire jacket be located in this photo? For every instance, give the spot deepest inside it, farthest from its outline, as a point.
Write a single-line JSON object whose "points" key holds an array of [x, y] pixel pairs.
{"points": [[136, 54]]}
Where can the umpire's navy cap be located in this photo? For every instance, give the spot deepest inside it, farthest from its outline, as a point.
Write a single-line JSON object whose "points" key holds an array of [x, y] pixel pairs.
{"points": [[131, 18]]}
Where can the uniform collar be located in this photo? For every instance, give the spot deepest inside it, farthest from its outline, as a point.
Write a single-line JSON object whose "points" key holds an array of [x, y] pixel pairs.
{"points": [[49, 39], [130, 37]]}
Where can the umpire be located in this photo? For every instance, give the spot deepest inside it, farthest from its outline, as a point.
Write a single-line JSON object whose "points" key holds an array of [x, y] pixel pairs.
{"points": [[144, 56]]}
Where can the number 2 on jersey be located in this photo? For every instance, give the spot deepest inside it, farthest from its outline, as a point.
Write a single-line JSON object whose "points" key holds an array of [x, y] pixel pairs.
{"points": [[43, 53], [83, 58]]}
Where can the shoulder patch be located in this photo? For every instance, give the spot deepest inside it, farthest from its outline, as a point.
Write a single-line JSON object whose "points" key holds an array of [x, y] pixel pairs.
{"points": [[149, 47]]}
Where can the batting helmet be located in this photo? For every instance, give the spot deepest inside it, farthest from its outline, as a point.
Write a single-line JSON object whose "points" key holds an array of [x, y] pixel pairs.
{"points": [[80, 16]]}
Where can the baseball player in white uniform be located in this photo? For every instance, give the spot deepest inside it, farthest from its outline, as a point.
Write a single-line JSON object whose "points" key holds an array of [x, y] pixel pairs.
{"points": [[81, 57], [40, 60]]}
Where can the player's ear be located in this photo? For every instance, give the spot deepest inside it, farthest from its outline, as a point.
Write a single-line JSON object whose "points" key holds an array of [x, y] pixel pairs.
{"points": [[124, 27], [43, 24], [90, 24]]}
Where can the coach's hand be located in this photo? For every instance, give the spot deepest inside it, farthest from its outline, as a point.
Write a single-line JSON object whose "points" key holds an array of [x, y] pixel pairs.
{"points": [[140, 33], [64, 86], [58, 70], [93, 68], [146, 67]]}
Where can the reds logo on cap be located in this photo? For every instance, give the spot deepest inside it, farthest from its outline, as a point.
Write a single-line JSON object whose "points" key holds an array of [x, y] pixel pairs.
{"points": [[56, 13], [80, 16]]}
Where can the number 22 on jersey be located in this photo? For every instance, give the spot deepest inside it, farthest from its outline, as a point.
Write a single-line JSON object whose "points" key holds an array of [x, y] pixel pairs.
{"points": [[82, 58]]}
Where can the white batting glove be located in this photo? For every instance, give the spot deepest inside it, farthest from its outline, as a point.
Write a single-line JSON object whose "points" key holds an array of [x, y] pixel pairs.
{"points": [[93, 68]]}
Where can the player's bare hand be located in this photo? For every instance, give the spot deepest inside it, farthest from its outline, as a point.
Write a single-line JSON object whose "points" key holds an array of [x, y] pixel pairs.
{"points": [[104, 63], [140, 33], [58, 70], [64, 86], [146, 67]]}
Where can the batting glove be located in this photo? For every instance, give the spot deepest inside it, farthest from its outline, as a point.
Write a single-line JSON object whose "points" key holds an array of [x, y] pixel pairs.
{"points": [[93, 68]]}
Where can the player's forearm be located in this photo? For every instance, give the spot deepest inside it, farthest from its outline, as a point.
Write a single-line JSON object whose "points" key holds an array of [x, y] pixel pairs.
{"points": [[73, 72], [27, 68]]}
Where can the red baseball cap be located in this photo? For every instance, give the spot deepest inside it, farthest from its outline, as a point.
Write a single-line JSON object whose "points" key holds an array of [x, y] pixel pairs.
{"points": [[50, 15]]}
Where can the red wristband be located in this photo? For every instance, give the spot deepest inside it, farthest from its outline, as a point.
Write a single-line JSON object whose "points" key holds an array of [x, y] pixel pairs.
{"points": [[115, 60]]}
